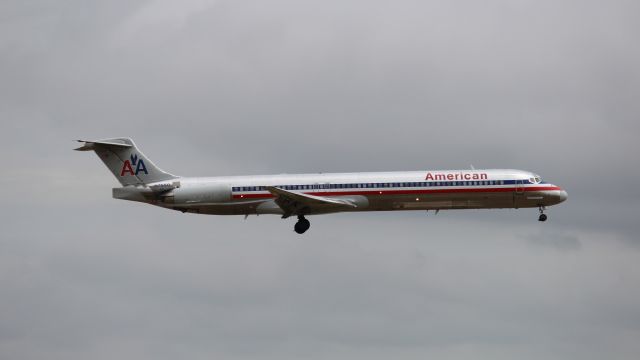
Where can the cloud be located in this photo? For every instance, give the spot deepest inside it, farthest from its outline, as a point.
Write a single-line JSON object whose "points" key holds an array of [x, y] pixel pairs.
{"points": [[560, 241], [228, 87]]}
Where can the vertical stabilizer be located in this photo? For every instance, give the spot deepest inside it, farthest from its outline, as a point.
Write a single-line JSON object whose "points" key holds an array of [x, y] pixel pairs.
{"points": [[127, 163]]}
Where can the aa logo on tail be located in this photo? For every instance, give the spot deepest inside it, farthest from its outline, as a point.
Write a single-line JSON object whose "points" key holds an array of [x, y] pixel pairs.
{"points": [[127, 167]]}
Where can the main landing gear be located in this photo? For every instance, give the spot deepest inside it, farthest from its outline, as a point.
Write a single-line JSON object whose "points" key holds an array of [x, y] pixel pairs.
{"points": [[302, 225], [542, 216]]}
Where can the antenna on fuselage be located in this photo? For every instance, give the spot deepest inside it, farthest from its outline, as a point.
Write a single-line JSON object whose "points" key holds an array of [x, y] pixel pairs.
{"points": [[472, 167]]}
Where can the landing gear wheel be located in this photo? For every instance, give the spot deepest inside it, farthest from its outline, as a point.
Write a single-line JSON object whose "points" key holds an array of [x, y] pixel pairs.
{"points": [[302, 225], [542, 216]]}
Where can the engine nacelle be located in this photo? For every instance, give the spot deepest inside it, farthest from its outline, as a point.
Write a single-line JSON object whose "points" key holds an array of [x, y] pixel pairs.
{"points": [[197, 193]]}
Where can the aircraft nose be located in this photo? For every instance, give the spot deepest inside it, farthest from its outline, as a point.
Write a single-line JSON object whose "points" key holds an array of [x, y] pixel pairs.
{"points": [[562, 195]]}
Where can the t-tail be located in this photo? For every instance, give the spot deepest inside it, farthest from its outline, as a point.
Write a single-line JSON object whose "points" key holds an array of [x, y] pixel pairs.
{"points": [[127, 163]]}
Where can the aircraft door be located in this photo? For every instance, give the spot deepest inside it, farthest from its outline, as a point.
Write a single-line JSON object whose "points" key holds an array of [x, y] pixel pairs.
{"points": [[518, 194]]}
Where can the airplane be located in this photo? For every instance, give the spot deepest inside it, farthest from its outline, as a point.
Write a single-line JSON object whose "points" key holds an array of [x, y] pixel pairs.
{"points": [[311, 194]]}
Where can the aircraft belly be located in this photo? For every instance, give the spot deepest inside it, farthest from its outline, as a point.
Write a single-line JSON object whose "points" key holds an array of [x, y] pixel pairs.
{"points": [[441, 201], [434, 201], [537, 198], [231, 208]]}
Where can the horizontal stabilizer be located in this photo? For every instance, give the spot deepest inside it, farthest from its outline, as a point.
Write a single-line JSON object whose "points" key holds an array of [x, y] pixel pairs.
{"points": [[90, 145]]}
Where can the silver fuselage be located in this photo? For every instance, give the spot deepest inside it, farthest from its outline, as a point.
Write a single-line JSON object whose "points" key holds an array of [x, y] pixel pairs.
{"points": [[379, 191]]}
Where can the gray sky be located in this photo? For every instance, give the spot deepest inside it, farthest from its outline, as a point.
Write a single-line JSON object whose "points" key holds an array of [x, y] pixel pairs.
{"points": [[252, 87]]}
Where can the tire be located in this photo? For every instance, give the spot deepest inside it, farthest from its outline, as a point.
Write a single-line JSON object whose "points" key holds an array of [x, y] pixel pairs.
{"points": [[301, 226]]}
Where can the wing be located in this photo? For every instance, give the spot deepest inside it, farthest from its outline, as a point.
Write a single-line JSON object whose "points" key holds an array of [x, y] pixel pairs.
{"points": [[293, 203]]}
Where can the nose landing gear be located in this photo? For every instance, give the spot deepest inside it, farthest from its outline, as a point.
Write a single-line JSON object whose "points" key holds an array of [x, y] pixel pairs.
{"points": [[543, 216], [302, 225]]}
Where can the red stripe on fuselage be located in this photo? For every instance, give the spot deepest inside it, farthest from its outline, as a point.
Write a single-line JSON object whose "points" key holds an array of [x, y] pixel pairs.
{"points": [[403, 192]]}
